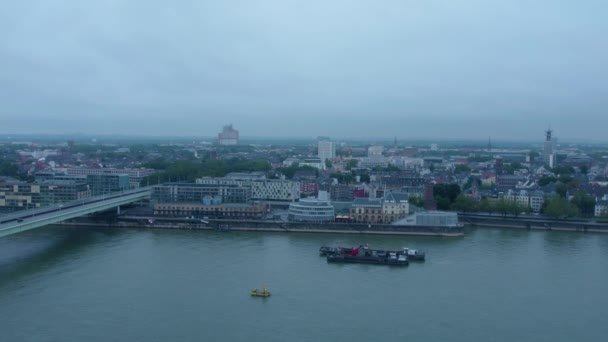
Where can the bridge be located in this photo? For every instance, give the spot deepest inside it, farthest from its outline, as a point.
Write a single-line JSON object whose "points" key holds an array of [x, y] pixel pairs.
{"points": [[29, 219]]}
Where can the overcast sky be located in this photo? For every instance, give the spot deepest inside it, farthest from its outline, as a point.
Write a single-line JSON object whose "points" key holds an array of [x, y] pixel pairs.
{"points": [[373, 68]]}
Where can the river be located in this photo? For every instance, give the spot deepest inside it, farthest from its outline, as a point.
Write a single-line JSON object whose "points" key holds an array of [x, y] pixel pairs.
{"points": [[81, 284]]}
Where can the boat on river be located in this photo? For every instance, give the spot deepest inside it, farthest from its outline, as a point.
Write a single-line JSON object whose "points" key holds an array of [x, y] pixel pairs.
{"points": [[409, 253], [414, 254], [364, 255], [260, 293]]}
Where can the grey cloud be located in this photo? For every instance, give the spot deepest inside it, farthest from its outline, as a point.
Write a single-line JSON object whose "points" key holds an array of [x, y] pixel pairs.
{"points": [[437, 69]]}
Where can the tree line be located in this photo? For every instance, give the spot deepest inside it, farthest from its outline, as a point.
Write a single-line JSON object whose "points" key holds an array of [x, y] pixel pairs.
{"points": [[189, 171]]}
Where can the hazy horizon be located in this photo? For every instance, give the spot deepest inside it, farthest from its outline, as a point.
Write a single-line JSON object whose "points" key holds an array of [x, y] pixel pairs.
{"points": [[415, 70]]}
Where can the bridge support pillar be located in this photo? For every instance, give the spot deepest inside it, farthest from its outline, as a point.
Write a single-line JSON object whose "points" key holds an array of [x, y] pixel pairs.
{"points": [[118, 210]]}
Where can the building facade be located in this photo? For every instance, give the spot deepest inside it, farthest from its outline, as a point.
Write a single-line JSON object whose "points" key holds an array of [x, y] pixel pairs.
{"points": [[315, 210], [326, 149], [17, 195], [262, 189], [228, 136], [215, 211], [135, 175], [548, 156], [102, 184], [196, 193], [395, 206], [601, 208], [366, 210]]}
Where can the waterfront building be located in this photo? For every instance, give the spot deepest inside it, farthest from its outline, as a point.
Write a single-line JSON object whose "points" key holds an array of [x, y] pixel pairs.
{"points": [[101, 184], [196, 193], [18, 195], [532, 199], [216, 211], [395, 206], [228, 136], [431, 218], [520, 197], [275, 190], [601, 208], [312, 209], [54, 192], [366, 210], [326, 148], [262, 189], [537, 199]]}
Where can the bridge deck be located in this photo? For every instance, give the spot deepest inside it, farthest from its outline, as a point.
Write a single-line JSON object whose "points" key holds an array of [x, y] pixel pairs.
{"points": [[30, 219]]}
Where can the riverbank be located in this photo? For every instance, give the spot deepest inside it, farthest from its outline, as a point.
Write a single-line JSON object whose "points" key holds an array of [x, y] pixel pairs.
{"points": [[476, 220], [267, 226]]}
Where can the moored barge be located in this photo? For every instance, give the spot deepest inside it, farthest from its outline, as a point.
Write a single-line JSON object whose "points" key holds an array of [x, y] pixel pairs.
{"points": [[363, 255], [410, 254]]}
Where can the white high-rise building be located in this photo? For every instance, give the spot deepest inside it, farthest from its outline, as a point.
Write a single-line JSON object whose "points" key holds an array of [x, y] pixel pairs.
{"points": [[548, 156], [327, 148]]}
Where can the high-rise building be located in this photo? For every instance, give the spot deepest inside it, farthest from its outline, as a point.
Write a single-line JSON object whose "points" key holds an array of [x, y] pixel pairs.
{"points": [[228, 136], [327, 148], [548, 156]]}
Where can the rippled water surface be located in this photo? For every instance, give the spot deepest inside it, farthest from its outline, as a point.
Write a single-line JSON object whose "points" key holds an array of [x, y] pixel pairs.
{"points": [[59, 284]]}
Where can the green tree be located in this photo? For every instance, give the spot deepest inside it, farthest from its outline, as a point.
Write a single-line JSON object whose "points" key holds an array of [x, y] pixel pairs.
{"points": [[157, 164], [559, 207], [585, 203], [448, 191], [352, 163], [463, 203], [486, 206], [462, 168], [328, 164], [584, 169], [416, 201], [442, 203], [563, 170], [8, 168], [343, 178], [533, 155], [561, 189], [503, 206], [546, 180]]}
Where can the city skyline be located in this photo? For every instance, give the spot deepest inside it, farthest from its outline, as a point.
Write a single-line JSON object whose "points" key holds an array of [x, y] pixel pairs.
{"points": [[418, 70]]}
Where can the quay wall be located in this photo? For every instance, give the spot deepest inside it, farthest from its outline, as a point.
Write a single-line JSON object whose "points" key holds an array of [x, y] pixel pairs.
{"points": [[268, 226], [498, 221]]}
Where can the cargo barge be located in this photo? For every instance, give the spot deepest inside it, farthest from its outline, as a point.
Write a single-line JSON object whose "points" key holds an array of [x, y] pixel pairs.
{"points": [[410, 254], [364, 255]]}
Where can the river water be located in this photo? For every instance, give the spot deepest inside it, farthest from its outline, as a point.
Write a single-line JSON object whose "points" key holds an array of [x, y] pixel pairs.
{"points": [[80, 284]]}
